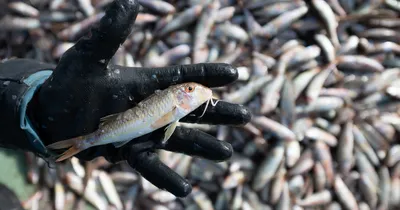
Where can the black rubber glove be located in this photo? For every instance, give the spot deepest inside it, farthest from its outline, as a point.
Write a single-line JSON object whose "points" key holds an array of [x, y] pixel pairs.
{"points": [[83, 88]]}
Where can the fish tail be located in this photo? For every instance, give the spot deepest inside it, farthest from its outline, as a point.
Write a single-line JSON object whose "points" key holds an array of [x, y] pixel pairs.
{"points": [[69, 153], [65, 143], [72, 146]]}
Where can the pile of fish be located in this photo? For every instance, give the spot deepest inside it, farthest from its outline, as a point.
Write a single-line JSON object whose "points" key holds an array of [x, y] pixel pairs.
{"points": [[322, 79]]}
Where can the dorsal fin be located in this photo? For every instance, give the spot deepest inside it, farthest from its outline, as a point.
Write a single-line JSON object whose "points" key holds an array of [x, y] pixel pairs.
{"points": [[104, 120]]}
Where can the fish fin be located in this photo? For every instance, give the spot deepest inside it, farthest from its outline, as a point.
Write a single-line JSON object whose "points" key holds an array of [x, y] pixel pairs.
{"points": [[69, 153], [169, 130], [108, 118], [164, 119], [120, 144], [65, 143]]}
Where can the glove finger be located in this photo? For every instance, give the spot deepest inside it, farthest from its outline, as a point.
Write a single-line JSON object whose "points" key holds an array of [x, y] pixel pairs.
{"points": [[100, 45], [208, 74], [223, 113], [197, 143], [156, 172]]}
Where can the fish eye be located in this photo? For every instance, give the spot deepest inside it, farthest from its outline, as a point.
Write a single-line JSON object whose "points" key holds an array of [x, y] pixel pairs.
{"points": [[189, 89]]}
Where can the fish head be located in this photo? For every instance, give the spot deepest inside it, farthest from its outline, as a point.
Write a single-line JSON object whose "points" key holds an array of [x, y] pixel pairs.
{"points": [[192, 95]]}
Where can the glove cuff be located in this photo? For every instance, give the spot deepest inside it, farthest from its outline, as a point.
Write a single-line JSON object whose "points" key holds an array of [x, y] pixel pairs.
{"points": [[33, 82]]}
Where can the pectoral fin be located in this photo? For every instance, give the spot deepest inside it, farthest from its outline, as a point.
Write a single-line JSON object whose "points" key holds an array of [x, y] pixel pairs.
{"points": [[164, 120], [120, 144], [169, 130]]}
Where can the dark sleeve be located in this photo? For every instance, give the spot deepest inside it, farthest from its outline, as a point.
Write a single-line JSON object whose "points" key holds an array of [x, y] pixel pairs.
{"points": [[19, 80]]}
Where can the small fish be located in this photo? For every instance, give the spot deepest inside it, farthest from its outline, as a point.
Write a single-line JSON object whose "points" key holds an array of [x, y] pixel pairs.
{"points": [[305, 55], [328, 126], [327, 47], [233, 180], [363, 206], [286, 57], [222, 200], [130, 197], [296, 184], [33, 200], [270, 94], [287, 104], [345, 148], [381, 33], [24, 9], [317, 134], [277, 51], [160, 109], [395, 192], [284, 202], [323, 155], [70, 33], [224, 14], [87, 7], [90, 194], [32, 168], [59, 196], [337, 7], [364, 146], [232, 31], [369, 190], [334, 206], [178, 38], [203, 29], [275, 9], [161, 7], [292, 152], [109, 188], [201, 199], [275, 128], [384, 187], [183, 167], [376, 140], [244, 73], [247, 92], [181, 20], [301, 81], [359, 63], [282, 22], [172, 55], [393, 4], [317, 84], [319, 198], [268, 167], [237, 199], [364, 166], [329, 18], [393, 156], [162, 196], [124, 178], [61, 48], [304, 164], [12, 23], [320, 177], [344, 194], [349, 46]]}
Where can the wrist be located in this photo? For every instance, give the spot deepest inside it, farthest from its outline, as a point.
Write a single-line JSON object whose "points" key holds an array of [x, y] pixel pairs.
{"points": [[34, 81]]}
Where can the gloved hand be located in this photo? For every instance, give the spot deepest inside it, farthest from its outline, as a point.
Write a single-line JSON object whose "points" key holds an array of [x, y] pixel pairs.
{"points": [[83, 88]]}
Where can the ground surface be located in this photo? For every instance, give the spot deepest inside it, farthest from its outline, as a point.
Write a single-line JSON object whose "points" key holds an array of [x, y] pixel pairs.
{"points": [[13, 173]]}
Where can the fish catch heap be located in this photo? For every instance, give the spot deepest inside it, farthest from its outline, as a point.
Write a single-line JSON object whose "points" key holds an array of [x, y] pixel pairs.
{"points": [[322, 79]]}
